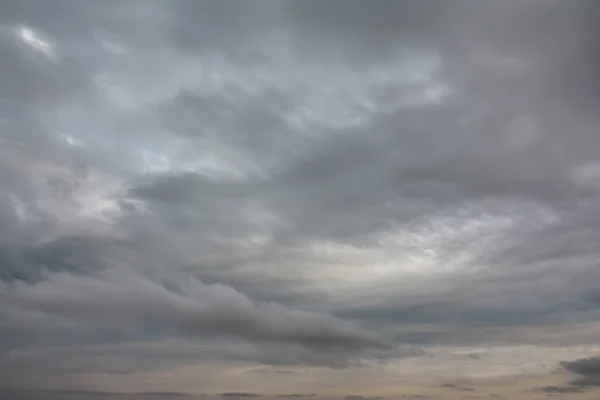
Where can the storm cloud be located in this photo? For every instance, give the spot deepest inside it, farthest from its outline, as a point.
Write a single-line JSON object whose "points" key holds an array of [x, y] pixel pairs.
{"points": [[339, 185]]}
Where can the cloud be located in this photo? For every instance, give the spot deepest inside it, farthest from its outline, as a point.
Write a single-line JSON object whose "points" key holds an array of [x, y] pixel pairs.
{"points": [[84, 394], [588, 369], [129, 300], [292, 184], [586, 381], [561, 389], [583, 366]]}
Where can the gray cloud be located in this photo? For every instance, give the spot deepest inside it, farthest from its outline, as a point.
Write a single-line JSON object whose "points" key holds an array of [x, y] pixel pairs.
{"points": [[584, 366], [301, 182], [191, 306], [586, 381], [588, 369]]}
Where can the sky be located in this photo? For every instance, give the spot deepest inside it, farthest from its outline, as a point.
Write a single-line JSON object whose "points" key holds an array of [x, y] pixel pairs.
{"points": [[299, 199]]}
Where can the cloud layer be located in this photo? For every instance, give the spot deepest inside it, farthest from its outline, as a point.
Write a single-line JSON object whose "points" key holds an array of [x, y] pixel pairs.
{"points": [[292, 183]]}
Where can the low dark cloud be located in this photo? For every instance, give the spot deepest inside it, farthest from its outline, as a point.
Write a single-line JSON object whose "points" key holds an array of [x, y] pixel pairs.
{"points": [[586, 381], [190, 306], [588, 370], [584, 366]]}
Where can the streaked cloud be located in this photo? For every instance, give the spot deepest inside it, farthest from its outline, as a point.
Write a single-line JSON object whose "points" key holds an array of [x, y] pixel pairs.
{"points": [[333, 195]]}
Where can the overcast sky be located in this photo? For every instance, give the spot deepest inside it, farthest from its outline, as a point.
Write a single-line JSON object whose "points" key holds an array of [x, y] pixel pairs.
{"points": [[337, 197]]}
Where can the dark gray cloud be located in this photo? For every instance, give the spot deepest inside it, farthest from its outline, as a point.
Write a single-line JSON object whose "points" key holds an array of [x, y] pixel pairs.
{"points": [[293, 183], [586, 381], [584, 366], [588, 370], [190, 306]]}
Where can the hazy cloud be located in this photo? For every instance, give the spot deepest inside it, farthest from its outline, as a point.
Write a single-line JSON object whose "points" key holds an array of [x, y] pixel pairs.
{"points": [[561, 389]]}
